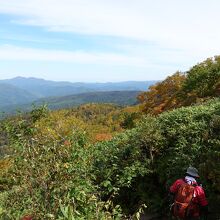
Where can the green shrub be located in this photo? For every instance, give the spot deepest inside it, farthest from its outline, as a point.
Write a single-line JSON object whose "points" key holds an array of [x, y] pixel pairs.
{"points": [[75, 179]]}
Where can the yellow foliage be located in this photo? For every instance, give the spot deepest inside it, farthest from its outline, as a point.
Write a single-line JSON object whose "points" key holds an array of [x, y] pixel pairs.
{"points": [[5, 164], [58, 126]]}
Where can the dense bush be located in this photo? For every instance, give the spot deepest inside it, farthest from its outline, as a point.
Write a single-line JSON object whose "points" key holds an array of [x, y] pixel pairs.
{"points": [[69, 177], [124, 160], [142, 163], [50, 174]]}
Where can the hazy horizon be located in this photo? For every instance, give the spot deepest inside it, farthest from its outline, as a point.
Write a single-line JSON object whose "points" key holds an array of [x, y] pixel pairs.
{"points": [[31, 77], [105, 41]]}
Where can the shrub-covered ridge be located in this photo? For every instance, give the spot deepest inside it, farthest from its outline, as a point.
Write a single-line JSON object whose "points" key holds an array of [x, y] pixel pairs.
{"points": [[72, 178]]}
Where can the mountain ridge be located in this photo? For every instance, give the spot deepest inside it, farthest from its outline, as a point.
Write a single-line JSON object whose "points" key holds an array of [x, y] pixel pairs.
{"points": [[45, 88], [20, 91], [122, 98]]}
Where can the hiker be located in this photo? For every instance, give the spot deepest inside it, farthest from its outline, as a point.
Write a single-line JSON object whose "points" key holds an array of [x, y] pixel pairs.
{"points": [[190, 202]]}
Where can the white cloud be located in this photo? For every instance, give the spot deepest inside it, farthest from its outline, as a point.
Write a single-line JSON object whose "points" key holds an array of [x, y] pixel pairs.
{"points": [[26, 38], [183, 24], [183, 32], [11, 52]]}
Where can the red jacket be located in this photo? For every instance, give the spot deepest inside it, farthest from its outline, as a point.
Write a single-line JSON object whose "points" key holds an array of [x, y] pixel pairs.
{"points": [[199, 194]]}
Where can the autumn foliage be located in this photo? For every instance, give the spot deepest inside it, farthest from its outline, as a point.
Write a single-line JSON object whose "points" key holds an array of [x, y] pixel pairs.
{"points": [[107, 162], [197, 85], [163, 96], [103, 137]]}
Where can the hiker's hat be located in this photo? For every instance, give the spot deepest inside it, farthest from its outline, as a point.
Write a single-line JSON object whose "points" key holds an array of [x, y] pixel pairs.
{"points": [[192, 171]]}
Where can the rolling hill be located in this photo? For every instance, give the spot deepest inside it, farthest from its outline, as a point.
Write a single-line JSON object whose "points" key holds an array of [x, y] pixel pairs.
{"points": [[116, 97], [12, 95]]}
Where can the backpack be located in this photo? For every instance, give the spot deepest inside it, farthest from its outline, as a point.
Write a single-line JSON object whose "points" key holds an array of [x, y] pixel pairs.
{"points": [[183, 207]]}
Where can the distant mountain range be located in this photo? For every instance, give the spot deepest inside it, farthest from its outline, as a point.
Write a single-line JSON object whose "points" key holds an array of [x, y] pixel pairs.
{"points": [[20, 92], [44, 88]]}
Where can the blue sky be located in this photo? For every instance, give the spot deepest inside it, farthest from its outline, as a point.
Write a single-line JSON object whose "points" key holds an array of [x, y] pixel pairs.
{"points": [[105, 40]]}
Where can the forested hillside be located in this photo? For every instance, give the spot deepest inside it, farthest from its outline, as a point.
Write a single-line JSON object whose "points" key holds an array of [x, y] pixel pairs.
{"points": [[100, 161], [200, 83], [11, 95], [122, 98], [117, 97], [21, 93]]}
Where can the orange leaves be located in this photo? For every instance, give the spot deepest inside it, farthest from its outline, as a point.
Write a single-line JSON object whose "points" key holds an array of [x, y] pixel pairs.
{"points": [[27, 217], [197, 85], [163, 95], [103, 137], [67, 143]]}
